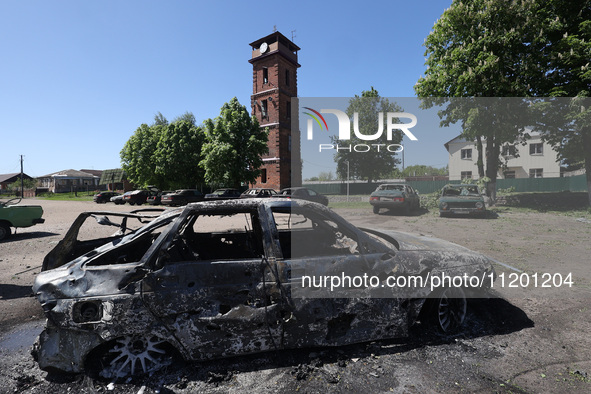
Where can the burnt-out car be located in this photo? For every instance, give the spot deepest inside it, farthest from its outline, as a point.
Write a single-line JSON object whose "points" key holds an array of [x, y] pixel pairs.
{"points": [[461, 200], [222, 278]]}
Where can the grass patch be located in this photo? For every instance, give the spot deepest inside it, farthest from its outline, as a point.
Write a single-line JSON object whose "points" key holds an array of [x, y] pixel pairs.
{"points": [[349, 205], [80, 196]]}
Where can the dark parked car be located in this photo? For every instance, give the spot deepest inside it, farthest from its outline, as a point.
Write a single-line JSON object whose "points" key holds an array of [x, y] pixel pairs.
{"points": [[223, 194], [137, 197], [305, 194], [462, 200], [156, 199], [397, 196], [104, 197], [259, 192], [182, 197], [222, 278], [120, 199]]}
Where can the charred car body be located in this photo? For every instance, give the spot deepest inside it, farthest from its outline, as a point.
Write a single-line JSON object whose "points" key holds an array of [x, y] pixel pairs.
{"points": [[462, 199], [223, 278]]}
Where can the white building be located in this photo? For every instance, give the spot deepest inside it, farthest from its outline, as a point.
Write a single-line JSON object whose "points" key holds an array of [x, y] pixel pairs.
{"points": [[535, 159]]}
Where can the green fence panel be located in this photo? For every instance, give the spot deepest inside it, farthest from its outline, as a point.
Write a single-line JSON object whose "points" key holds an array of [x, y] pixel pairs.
{"points": [[578, 183], [522, 185]]}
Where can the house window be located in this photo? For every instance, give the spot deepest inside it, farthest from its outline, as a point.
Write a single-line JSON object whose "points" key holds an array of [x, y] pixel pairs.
{"points": [[509, 174], [509, 150], [288, 110], [466, 154], [265, 75], [536, 172], [264, 112], [289, 143], [264, 175], [536, 149], [466, 175], [287, 77]]}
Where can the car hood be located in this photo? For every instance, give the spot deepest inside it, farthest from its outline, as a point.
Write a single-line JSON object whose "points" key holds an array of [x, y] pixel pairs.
{"points": [[420, 253], [461, 198]]}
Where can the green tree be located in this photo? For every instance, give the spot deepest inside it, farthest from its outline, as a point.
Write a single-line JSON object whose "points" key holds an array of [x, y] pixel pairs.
{"points": [[178, 155], [422, 170], [159, 119], [234, 146], [565, 53], [325, 176], [373, 164], [482, 48], [165, 154], [138, 156]]}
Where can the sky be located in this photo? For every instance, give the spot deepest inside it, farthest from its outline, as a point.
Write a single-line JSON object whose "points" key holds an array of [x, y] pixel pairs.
{"points": [[77, 78]]}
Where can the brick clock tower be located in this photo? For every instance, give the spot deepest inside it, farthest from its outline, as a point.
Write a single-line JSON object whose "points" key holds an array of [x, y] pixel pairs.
{"points": [[274, 86]]}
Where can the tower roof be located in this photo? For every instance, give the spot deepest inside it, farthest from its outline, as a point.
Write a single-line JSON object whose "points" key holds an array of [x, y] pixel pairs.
{"points": [[275, 37]]}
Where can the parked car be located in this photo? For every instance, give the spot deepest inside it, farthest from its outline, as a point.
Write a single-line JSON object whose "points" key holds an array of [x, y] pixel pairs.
{"points": [[305, 194], [120, 200], [462, 199], [156, 199], [259, 192], [397, 196], [104, 197], [137, 197], [223, 194], [14, 215], [182, 197], [223, 278]]}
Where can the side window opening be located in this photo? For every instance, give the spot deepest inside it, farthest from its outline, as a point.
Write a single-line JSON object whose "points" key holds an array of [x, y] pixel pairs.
{"points": [[306, 234], [132, 251], [224, 236]]}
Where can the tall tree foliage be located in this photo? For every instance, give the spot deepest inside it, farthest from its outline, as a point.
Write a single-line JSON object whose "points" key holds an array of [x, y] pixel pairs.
{"points": [[373, 164], [480, 49], [178, 155], [138, 155], [235, 143], [565, 26], [518, 48], [165, 154]]}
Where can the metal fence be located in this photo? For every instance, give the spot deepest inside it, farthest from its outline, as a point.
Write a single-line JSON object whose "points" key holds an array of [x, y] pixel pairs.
{"points": [[574, 184]]}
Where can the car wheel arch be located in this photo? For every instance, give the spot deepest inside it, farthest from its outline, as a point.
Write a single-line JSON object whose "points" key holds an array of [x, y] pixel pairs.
{"points": [[5, 230]]}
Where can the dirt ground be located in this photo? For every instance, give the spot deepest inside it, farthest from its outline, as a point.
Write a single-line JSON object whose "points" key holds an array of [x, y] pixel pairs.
{"points": [[528, 340]]}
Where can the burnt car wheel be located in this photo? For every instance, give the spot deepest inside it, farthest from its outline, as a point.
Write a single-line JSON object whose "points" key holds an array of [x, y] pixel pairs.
{"points": [[133, 355], [447, 310], [5, 231]]}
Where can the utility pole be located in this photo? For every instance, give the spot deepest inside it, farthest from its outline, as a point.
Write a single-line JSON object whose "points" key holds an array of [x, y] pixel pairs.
{"points": [[22, 180]]}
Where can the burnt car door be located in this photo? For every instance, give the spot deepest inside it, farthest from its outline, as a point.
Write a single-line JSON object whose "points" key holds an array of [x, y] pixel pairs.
{"points": [[320, 253], [213, 284]]}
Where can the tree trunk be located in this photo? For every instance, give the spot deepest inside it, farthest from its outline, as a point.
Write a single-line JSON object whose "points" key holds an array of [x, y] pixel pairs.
{"points": [[480, 162], [492, 164]]}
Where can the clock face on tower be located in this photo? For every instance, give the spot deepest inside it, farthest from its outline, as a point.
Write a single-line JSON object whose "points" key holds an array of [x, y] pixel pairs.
{"points": [[264, 47]]}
